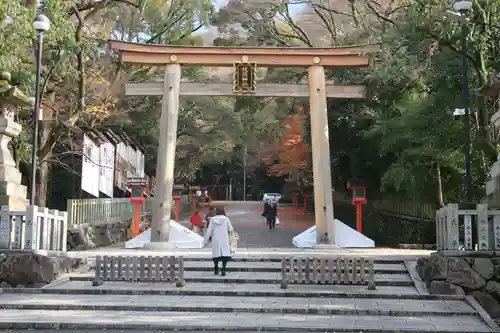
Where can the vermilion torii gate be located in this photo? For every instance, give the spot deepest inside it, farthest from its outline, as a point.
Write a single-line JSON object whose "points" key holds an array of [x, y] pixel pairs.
{"points": [[245, 61]]}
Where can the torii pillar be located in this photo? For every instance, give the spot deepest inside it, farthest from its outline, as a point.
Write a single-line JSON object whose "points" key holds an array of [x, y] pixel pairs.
{"points": [[315, 59]]}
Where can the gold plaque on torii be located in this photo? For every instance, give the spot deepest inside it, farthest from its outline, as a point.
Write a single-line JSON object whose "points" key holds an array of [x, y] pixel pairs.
{"points": [[244, 77]]}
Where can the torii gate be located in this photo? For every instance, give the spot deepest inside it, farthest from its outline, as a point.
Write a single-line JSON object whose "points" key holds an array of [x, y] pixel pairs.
{"points": [[244, 60]]}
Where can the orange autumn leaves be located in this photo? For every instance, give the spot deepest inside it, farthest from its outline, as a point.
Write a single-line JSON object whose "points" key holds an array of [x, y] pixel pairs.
{"points": [[291, 154]]}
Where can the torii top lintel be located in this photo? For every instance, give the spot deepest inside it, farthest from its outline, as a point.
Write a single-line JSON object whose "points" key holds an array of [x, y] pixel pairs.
{"points": [[196, 56]]}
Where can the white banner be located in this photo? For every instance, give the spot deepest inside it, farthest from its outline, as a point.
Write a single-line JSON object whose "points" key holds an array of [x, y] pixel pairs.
{"points": [[106, 168]]}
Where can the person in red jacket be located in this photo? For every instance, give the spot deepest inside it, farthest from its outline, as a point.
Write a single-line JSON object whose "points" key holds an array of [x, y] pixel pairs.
{"points": [[196, 223]]}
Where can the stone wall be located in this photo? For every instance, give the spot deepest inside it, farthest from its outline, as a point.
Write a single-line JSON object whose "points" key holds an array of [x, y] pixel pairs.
{"points": [[476, 274], [25, 269], [88, 237]]}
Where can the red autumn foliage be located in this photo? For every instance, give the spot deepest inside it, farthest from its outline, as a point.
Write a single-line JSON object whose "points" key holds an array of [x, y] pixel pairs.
{"points": [[291, 153]]}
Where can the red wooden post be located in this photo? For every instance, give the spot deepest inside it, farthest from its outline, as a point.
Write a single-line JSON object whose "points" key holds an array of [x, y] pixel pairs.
{"points": [[305, 203], [359, 217], [193, 200], [177, 200], [295, 200]]}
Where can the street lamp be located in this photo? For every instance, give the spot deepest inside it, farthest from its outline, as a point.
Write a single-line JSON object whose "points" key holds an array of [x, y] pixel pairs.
{"points": [[41, 25], [461, 10]]}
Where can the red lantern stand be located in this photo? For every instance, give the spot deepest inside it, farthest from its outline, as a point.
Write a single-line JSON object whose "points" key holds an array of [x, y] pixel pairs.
{"points": [[195, 195], [358, 199], [177, 200], [137, 187], [295, 200]]}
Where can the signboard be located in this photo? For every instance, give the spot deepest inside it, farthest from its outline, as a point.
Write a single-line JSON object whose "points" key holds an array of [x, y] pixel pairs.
{"points": [[106, 168], [90, 167]]}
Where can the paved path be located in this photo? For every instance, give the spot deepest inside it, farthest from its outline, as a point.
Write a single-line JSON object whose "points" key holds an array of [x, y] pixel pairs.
{"points": [[253, 230]]}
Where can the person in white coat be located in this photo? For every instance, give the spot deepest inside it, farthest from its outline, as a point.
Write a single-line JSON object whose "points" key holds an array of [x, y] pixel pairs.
{"points": [[218, 233]]}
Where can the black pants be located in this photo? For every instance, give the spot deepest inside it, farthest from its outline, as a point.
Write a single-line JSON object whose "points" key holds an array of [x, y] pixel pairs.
{"points": [[271, 222], [224, 261]]}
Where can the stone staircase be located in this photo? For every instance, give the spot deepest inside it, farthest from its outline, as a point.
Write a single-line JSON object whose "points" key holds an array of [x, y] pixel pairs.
{"points": [[248, 299]]}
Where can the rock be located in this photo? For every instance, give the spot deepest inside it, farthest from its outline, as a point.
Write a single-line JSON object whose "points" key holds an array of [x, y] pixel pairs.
{"points": [[469, 260], [488, 303], [497, 272], [460, 273], [485, 267], [423, 268], [438, 268], [24, 268], [4, 284], [445, 288], [493, 288]]}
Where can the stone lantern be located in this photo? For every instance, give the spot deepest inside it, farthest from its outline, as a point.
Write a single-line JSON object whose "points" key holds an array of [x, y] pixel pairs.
{"points": [[492, 89], [12, 193]]}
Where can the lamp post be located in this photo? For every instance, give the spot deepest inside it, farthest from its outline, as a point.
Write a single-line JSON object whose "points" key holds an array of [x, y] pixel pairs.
{"points": [[41, 25], [463, 7]]}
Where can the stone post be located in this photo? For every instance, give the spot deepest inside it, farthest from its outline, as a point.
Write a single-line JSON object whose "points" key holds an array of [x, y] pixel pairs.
{"points": [[12, 193]]}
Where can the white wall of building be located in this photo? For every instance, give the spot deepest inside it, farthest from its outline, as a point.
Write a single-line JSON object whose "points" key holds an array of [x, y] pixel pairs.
{"points": [[106, 168], [90, 167]]}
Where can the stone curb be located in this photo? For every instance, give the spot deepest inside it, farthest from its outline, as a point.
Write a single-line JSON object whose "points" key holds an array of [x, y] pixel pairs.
{"points": [[232, 328], [184, 292], [255, 281], [222, 309], [417, 281], [482, 313]]}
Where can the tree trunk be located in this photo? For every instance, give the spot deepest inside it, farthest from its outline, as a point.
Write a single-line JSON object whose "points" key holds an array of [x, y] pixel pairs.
{"points": [[42, 185], [440, 184]]}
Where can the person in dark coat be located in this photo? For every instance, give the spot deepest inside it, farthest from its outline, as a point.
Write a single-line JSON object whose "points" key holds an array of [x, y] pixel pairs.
{"points": [[270, 213]]}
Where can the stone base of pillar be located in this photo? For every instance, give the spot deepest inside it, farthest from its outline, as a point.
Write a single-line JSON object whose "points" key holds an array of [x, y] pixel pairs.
{"points": [[13, 195], [159, 246], [326, 247]]}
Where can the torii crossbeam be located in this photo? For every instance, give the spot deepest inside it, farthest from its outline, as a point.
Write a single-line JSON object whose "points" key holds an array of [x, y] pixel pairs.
{"points": [[244, 60]]}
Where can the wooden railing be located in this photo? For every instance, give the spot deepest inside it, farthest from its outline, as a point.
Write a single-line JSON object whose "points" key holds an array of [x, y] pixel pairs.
{"points": [[37, 228], [468, 229], [406, 208], [330, 270], [139, 269]]}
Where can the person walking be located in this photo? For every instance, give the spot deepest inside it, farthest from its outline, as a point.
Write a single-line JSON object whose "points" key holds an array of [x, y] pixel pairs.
{"points": [[196, 223], [271, 213], [218, 232]]}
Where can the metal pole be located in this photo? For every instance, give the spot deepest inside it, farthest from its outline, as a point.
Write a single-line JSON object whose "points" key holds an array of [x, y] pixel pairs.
{"points": [[465, 78], [245, 174], [36, 115]]}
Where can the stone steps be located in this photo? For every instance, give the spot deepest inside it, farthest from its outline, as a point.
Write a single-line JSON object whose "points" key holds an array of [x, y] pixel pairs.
{"points": [[260, 277], [238, 304], [233, 322], [222, 289]]}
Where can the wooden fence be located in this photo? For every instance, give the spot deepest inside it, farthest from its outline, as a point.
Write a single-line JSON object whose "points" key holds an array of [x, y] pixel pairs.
{"points": [[393, 206], [103, 210], [468, 229], [140, 269], [37, 228], [331, 270]]}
